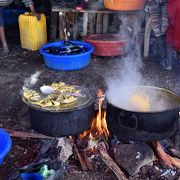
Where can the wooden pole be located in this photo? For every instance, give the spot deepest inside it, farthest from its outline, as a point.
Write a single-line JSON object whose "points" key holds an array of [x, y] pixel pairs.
{"points": [[21, 134], [110, 163], [147, 36], [85, 23], [62, 25]]}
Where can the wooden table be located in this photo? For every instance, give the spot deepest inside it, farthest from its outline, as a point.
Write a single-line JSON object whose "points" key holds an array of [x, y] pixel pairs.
{"points": [[94, 21]]}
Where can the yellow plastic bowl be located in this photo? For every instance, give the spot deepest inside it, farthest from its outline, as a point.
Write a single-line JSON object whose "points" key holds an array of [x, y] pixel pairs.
{"points": [[124, 5]]}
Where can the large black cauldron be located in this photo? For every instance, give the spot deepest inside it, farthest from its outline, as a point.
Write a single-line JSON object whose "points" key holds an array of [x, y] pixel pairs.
{"points": [[145, 126], [64, 121]]}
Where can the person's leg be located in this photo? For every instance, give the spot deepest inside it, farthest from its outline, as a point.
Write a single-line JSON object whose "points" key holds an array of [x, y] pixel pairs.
{"points": [[176, 23], [3, 38], [2, 33], [161, 39], [155, 17], [165, 21]]}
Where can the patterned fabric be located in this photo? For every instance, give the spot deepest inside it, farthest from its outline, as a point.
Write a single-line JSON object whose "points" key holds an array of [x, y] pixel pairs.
{"points": [[8, 2], [159, 16], [173, 34]]}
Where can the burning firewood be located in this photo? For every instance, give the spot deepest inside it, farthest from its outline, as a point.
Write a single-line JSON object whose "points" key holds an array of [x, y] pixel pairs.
{"points": [[166, 158], [110, 163], [87, 161], [83, 165]]}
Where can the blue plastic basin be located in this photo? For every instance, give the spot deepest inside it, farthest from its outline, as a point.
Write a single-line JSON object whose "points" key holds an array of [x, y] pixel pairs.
{"points": [[5, 144], [31, 176], [67, 62]]}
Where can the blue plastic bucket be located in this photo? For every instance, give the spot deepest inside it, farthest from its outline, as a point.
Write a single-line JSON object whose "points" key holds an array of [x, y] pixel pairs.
{"points": [[5, 144], [31, 176], [68, 62]]}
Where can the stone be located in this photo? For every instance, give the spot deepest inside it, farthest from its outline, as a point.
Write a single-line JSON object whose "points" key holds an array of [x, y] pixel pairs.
{"points": [[131, 157], [66, 148]]}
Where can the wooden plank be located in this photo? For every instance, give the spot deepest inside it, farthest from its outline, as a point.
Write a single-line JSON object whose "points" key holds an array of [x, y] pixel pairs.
{"points": [[53, 26], [75, 26], [58, 9], [22, 134], [105, 22], [85, 24], [99, 23], [62, 25], [91, 23]]}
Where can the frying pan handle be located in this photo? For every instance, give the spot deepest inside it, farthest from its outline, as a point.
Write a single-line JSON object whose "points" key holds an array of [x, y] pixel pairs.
{"points": [[128, 122]]}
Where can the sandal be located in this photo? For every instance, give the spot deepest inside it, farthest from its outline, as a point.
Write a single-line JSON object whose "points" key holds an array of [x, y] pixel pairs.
{"points": [[175, 59], [163, 63], [169, 68], [5, 51]]}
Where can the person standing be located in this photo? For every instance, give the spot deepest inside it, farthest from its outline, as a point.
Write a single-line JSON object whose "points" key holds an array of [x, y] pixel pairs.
{"points": [[173, 32], [3, 3], [159, 21]]}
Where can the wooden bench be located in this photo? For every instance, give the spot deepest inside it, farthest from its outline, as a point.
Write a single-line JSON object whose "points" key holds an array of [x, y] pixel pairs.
{"points": [[93, 21]]}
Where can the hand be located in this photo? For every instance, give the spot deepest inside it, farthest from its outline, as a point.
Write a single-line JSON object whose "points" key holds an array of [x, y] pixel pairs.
{"points": [[34, 13], [38, 15]]}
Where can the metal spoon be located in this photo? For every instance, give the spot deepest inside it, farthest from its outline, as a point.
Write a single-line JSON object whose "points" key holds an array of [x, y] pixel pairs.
{"points": [[46, 90]]}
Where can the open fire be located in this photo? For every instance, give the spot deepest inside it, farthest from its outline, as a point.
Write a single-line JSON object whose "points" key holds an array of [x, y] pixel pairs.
{"points": [[99, 132], [99, 125]]}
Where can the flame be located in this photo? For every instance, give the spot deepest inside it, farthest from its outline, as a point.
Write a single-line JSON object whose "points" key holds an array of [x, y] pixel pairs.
{"points": [[98, 126]]}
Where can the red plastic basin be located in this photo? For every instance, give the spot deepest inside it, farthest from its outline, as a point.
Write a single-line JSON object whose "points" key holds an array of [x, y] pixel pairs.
{"points": [[107, 44]]}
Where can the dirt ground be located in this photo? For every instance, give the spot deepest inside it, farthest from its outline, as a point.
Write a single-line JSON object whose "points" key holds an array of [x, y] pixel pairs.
{"points": [[20, 64]]}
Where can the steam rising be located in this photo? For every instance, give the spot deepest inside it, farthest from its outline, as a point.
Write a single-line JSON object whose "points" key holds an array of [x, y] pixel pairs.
{"points": [[32, 80], [129, 74]]}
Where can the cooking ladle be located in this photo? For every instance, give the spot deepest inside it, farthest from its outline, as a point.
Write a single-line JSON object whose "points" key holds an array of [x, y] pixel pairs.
{"points": [[46, 90]]}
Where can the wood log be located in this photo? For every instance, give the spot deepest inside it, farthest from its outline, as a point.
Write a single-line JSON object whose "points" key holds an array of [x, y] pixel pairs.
{"points": [[85, 24], [99, 24], [147, 36], [20, 134], [76, 151], [175, 161], [87, 161], [162, 155], [110, 162], [166, 158], [105, 23], [53, 26]]}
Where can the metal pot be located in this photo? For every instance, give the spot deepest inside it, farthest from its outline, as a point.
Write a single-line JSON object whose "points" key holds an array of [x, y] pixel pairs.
{"points": [[65, 121], [144, 126]]}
